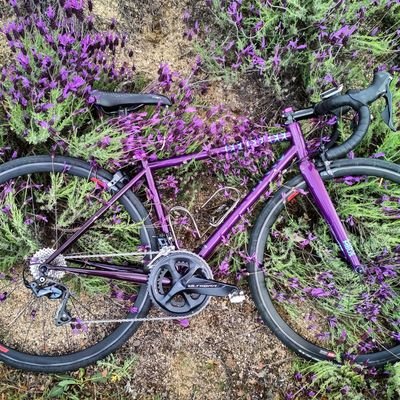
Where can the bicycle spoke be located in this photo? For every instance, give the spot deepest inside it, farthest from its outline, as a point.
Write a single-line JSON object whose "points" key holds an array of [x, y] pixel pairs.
{"points": [[27, 304]]}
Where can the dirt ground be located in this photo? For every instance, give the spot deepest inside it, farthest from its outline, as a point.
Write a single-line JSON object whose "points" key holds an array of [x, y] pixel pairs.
{"points": [[225, 353]]}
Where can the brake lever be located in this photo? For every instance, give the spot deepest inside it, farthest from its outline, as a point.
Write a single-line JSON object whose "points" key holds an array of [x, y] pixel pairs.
{"points": [[387, 113]]}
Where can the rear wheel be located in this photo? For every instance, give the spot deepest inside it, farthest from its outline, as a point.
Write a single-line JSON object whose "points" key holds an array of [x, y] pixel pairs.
{"points": [[43, 201], [304, 289]]}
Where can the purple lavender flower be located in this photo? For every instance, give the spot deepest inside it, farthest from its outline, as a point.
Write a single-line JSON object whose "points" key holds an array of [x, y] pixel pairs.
{"points": [[105, 142], [289, 396], [345, 390], [6, 210], [332, 321], [316, 292], [24, 61], [293, 45], [73, 86], [350, 220], [234, 13], [165, 76], [50, 12], [78, 326], [298, 376], [305, 242], [395, 336], [323, 336], [340, 36], [66, 40], [276, 60], [294, 283], [223, 267], [184, 323]]}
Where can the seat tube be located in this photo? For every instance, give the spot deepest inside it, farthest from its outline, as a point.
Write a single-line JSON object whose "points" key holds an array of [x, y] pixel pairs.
{"points": [[156, 198], [321, 196]]}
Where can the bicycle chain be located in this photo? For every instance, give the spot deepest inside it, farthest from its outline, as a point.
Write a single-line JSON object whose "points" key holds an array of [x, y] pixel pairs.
{"points": [[122, 320]]}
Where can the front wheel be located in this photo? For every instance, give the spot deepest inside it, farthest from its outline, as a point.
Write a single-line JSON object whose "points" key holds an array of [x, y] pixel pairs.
{"points": [[304, 289], [43, 201]]}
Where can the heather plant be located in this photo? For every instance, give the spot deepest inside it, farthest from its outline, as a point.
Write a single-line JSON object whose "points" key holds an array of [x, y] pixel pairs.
{"points": [[58, 58], [393, 382], [326, 380], [303, 45]]}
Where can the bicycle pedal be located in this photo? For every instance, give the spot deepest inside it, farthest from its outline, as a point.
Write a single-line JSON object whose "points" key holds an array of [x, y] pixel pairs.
{"points": [[237, 297]]}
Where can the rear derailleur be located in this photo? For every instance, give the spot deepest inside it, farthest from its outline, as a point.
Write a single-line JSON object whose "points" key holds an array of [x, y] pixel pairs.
{"points": [[53, 291]]}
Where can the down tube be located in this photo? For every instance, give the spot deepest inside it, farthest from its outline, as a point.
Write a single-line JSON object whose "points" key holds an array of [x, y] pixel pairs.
{"points": [[213, 241]]}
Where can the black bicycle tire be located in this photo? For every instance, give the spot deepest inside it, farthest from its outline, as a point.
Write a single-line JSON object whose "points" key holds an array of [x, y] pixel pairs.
{"points": [[124, 331], [258, 240]]}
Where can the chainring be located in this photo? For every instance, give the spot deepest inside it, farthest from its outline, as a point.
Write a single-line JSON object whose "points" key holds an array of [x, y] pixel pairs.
{"points": [[166, 272]]}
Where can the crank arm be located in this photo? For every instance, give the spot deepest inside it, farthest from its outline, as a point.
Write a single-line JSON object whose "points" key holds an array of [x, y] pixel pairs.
{"points": [[210, 287]]}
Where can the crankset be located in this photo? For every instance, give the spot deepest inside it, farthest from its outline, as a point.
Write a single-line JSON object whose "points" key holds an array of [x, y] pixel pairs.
{"points": [[181, 283]]}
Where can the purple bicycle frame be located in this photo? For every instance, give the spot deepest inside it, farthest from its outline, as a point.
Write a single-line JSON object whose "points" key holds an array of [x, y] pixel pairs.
{"points": [[297, 150]]}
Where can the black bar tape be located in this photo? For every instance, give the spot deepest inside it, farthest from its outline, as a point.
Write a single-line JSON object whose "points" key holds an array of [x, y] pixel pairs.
{"points": [[353, 141], [327, 106]]}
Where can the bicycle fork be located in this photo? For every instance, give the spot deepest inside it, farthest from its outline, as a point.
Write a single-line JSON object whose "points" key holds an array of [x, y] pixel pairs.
{"points": [[322, 199]]}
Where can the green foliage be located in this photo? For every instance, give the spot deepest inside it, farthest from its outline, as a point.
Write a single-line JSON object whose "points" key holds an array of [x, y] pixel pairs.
{"points": [[25, 121], [17, 239], [75, 386], [302, 44], [101, 142], [323, 379], [301, 249], [393, 383], [72, 388], [300, 71]]}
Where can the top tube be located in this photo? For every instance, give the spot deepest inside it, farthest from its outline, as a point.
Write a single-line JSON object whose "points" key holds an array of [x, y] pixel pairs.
{"points": [[229, 148]]}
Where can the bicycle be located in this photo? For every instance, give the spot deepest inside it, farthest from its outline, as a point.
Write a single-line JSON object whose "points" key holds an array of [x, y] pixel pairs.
{"points": [[67, 212]]}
